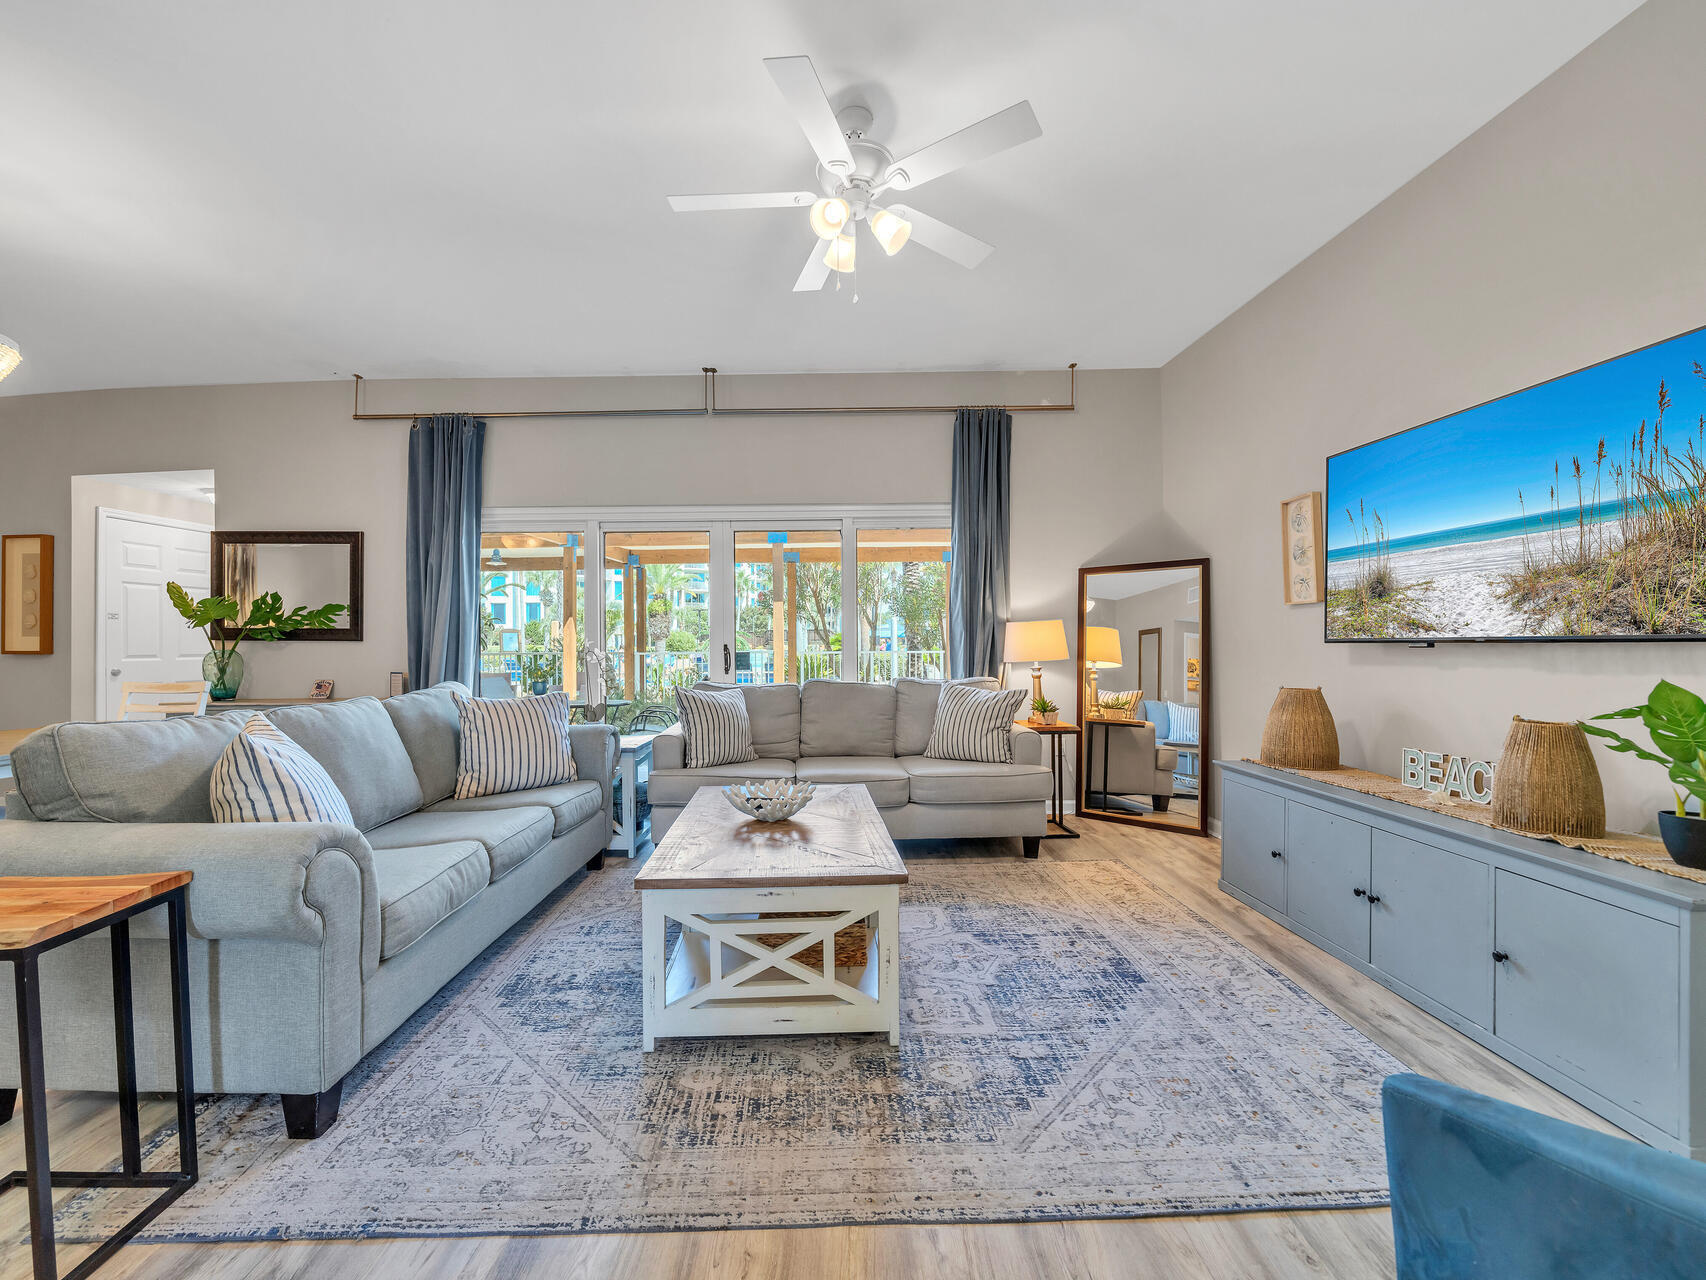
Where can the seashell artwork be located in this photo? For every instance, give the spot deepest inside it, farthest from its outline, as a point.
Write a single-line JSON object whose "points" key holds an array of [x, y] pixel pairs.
{"points": [[772, 800]]}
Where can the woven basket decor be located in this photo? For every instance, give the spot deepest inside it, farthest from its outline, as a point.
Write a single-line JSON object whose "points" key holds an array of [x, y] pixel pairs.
{"points": [[1547, 781], [1300, 733]]}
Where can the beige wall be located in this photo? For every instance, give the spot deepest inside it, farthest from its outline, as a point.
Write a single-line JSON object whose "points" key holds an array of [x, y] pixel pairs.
{"points": [[88, 494], [1567, 230], [287, 456]]}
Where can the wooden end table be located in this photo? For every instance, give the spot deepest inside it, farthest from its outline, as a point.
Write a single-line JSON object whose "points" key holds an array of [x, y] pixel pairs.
{"points": [[758, 898], [37, 914], [1057, 734]]}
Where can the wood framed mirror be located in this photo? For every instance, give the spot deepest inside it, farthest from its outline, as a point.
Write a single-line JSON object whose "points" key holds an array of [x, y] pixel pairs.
{"points": [[1143, 693], [306, 567]]}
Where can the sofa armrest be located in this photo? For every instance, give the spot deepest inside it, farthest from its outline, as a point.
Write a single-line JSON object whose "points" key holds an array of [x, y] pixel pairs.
{"points": [[669, 749], [596, 749], [293, 881], [1166, 759], [1027, 746]]}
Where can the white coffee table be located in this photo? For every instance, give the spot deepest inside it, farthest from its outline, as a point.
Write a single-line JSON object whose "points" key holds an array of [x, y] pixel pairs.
{"points": [[728, 881]]}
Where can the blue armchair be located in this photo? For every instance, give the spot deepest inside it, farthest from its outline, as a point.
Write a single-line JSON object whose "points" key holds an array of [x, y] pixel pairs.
{"points": [[1481, 1188]]}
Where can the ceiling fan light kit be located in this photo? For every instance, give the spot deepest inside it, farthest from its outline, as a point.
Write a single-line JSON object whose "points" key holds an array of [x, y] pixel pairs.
{"points": [[853, 171]]}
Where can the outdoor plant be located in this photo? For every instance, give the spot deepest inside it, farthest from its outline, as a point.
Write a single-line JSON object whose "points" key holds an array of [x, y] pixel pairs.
{"points": [[1675, 719]]}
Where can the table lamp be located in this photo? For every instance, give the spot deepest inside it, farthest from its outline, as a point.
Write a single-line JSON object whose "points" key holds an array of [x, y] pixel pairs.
{"points": [[1101, 649], [1036, 643]]}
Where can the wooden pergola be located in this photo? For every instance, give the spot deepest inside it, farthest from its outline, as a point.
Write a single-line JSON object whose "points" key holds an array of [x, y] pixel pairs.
{"points": [[631, 554]]}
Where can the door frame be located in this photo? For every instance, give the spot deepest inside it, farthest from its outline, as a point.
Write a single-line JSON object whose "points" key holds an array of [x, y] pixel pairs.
{"points": [[103, 546], [720, 522]]}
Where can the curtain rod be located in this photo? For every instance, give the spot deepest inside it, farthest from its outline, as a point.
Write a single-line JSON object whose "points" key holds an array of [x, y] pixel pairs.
{"points": [[711, 409]]}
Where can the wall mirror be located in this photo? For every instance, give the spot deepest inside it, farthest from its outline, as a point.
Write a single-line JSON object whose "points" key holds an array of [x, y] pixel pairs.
{"points": [[305, 567], [1143, 683]]}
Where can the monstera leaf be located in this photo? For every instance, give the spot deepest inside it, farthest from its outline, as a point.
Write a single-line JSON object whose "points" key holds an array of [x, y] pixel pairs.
{"points": [[1675, 719], [267, 620], [201, 613]]}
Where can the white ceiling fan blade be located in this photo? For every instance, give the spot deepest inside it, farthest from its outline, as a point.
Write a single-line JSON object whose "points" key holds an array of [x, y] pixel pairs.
{"points": [[975, 142], [797, 79], [816, 269], [952, 243], [748, 200]]}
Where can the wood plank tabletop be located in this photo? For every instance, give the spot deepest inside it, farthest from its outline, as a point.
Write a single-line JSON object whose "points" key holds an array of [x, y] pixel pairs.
{"points": [[36, 908], [839, 838], [10, 738]]}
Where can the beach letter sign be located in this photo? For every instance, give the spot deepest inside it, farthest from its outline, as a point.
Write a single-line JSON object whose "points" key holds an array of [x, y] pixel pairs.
{"points": [[1453, 775]]}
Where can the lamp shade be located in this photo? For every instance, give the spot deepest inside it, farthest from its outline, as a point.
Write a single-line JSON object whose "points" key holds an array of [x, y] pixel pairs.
{"points": [[891, 231], [839, 255], [1102, 647], [829, 216], [1043, 641]]}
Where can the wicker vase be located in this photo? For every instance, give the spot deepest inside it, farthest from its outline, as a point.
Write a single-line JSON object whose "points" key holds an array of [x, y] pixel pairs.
{"points": [[1300, 733], [1547, 782]]}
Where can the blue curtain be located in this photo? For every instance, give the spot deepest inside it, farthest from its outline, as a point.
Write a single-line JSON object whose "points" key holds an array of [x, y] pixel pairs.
{"points": [[982, 519], [442, 557]]}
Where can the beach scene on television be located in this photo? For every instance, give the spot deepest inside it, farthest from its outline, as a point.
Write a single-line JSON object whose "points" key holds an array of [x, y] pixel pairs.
{"points": [[1575, 508]]}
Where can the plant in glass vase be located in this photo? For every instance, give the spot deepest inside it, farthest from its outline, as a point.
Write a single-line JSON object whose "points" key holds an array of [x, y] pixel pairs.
{"points": [[267, 619]]}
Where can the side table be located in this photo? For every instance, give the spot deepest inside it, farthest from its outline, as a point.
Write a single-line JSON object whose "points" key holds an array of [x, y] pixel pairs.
{"points": [[37, 914], [1057, 734], [635, 763]]}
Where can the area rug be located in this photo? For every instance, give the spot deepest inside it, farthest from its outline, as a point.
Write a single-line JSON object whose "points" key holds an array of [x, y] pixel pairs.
{"points": [[1074, 1043]]}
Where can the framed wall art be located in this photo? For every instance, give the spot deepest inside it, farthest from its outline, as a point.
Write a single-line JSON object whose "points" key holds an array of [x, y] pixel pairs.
{"points": [[1303, 556], [26, 593]]}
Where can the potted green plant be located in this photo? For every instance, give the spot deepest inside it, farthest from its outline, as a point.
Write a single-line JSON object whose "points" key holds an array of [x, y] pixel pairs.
{"points": [[1044, 711], [1676, 721], [543, 671], [267, 619]]}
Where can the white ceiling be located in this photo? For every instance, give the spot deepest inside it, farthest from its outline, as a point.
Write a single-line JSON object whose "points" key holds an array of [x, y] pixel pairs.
{"points": [[1122, 586], [200, 192]]}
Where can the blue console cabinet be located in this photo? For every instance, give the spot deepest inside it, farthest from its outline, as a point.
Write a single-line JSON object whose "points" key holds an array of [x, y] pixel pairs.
{"points": [[1586, 972]]}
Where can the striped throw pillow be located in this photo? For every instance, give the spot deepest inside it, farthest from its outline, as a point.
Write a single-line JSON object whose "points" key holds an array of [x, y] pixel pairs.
{"points": [[716, 727], [1183, 723], [265, 777], [512, 744], [975, 724]]}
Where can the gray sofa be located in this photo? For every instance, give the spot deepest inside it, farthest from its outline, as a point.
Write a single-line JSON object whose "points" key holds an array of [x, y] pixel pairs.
{"points": [[1135, 766], [309, 942], [830, 731]]}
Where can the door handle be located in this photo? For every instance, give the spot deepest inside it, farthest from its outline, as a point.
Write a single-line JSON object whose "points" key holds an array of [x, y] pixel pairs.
{"points": [[726, 660], [1275, 853], [116, 671], [1501, 956]]}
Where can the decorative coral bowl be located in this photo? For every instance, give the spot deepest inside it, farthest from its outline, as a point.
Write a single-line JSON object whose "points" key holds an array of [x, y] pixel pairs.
{"points": [[773, 800]]}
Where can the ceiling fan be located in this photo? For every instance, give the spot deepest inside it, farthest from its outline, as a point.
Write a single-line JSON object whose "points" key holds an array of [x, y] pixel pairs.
{"points": [[853, 172]]}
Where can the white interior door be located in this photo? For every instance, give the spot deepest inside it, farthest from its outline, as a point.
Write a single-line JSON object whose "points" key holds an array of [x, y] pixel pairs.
{"points": [[138, 635]]}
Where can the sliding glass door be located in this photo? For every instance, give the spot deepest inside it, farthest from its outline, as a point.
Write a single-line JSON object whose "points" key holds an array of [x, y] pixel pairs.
{"points": [[675, 596]]}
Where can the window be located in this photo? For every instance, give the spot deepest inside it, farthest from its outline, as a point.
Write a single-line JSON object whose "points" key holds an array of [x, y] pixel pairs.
{"points": [[747, 596], [533, 597], [787, 583], [903, 603]]}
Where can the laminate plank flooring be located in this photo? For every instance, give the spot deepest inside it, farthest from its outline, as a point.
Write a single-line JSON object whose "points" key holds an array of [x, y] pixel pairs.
{"points": [[1345, 1244]]}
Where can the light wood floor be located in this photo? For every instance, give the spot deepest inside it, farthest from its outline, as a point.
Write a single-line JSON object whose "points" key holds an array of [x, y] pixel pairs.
{"points": [[1343, 1244]]}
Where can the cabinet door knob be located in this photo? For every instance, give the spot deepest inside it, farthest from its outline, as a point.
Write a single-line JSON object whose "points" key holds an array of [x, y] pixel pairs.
{"points": [[1374, 897], [1359, 892], [1501, 956], [1275, 853]]}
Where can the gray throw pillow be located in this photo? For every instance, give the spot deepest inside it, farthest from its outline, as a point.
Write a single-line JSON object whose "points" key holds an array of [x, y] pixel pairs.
{"points": [[975, 724]]}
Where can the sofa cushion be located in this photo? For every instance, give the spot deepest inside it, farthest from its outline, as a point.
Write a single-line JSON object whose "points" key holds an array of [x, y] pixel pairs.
{"points": [[265, 777], [974, 782], [716, 727], [676, 786], [570, 803], [358, 745], [842, 718], [511, 836], [915, 710], [135, 771], [426, 722], [421, 885], [774, 710], [975, 724], [883, 776]]}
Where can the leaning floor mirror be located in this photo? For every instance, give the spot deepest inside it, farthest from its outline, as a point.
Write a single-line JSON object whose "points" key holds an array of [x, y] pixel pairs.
{"points": [[1143, 681]]}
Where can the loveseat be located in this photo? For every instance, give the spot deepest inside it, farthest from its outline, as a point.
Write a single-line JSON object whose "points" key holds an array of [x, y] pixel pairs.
{"points": [[831, 731], [310, 943], [1122, 758]]}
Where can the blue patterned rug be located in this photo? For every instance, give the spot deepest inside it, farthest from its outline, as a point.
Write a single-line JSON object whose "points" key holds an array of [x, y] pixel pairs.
{"points": [[1075, 1044]]}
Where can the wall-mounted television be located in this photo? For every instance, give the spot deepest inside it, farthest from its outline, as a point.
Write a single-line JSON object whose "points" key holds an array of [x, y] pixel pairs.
{"points": [[1574, 510]]}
